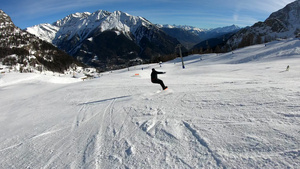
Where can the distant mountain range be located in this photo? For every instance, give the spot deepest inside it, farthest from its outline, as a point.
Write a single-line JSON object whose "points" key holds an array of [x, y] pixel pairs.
{"points": [[113, 40], [107, 40], [25, 52], [110, 40], [190, 36]]}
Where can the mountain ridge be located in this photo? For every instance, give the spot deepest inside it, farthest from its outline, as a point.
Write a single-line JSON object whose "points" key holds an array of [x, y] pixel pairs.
{"points": [[284, 23], [191, 36], [25, 52]]}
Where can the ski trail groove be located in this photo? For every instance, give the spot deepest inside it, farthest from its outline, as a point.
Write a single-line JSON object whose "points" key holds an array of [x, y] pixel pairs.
{"points": [[99, 138], [11, 147], [80, 118], [203, 143], [118, 133]]}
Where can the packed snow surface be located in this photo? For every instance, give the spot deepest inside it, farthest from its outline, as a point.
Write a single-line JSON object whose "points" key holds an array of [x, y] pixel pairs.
{"points": [[234, 110]]}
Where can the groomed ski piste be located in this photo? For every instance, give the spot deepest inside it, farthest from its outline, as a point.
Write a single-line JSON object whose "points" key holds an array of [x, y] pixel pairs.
{"points": [[235, 110]]}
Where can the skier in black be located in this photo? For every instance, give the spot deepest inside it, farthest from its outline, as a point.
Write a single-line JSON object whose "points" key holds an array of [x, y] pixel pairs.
{"points": [[154, 78]]}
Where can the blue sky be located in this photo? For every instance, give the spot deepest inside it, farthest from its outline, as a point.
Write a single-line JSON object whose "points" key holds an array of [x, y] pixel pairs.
{"points": [[198, 13]]}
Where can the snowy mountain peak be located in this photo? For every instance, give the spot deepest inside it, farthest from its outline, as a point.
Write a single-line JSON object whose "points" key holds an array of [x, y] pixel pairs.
{"points": [[46, 31], [184, 27], [80, 15], [72, 19], [99, 15], [288, 17], [5, 20], [82, 24], [3, 14]]}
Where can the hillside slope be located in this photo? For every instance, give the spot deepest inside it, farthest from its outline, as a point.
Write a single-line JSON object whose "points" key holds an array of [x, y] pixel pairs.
{"points": [[284, 23], [235, 110], [25, 52]]}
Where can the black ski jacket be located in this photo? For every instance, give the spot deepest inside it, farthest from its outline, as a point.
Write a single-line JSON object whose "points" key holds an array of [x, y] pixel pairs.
{"points": [[154, 74]]}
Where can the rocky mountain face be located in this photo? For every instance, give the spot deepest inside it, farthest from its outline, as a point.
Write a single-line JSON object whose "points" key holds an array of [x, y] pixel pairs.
{"points": [[284, 23], [107, 40], [26, 52], [190, 36]]}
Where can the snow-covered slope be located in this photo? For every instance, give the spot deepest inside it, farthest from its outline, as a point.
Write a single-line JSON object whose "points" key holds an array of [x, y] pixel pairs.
{"points": [[215, 114], [45, 31]]}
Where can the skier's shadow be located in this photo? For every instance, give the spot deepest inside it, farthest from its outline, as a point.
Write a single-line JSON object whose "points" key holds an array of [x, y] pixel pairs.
{"points": [[104, 100]]}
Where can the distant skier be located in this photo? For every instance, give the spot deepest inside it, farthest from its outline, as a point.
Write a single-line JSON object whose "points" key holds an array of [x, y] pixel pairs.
{"points": [[154, 79]]}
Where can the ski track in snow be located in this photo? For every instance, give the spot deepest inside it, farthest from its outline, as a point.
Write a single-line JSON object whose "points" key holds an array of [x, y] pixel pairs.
{"points": [[214, 115]]}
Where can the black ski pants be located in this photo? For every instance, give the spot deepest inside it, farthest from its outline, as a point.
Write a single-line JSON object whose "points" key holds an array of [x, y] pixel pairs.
{"points": [[159, 82]]}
